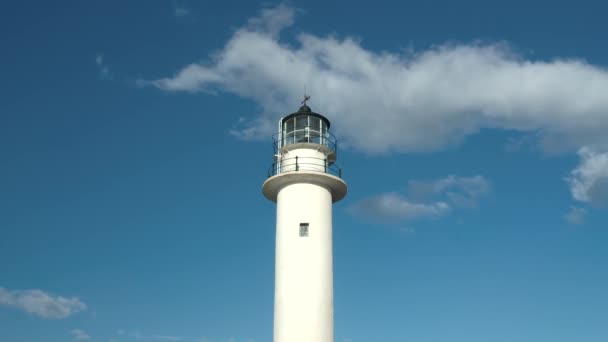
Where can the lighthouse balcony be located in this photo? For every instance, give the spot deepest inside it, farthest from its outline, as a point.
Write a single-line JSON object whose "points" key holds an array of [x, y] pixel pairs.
{"points": [[305, 164]]}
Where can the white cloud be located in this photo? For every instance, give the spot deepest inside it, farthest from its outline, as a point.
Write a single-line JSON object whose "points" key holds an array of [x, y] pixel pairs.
{"points": [[576, 215], [79, 335], [415, 101], [421, 100], [40, 303], [589, 181], [425, 199]]}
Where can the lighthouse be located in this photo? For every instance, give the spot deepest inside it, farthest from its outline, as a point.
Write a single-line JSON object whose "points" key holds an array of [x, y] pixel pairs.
{"points": [[304, 182]]}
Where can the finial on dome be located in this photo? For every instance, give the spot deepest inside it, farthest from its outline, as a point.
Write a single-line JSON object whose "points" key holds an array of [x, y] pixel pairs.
{"points": [[305, 108]]}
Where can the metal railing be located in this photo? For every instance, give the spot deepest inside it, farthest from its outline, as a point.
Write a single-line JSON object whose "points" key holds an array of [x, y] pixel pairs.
{"points": [[304, 164], [313, 137]]}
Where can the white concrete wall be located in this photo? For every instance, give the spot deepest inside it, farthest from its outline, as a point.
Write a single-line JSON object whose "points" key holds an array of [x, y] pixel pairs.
{"points": [[308, 160], [303, 309]]}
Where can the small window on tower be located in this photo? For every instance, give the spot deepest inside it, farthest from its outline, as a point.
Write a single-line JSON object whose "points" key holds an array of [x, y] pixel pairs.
{"points": [[303, 229]]}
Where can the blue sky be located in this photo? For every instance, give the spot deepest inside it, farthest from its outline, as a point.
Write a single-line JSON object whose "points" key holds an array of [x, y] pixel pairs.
{"points": [[135, 136]]}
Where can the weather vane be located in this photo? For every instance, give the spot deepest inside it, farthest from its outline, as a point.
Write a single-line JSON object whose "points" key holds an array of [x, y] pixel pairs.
{"points": [[306, 98]]}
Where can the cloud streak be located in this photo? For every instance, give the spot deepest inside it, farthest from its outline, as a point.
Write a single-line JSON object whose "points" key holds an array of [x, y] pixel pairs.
{"points": [[41, 304]]}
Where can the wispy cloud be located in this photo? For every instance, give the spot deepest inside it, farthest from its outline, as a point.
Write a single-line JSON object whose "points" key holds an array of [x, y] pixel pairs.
{"points": [[271, 21], [166, 338], [41, 304], [102, 68], [223, 339], [576, 215], [181, 11], [135, 334], [424, 199], [392, 206], [79, 335], [459, 191]]}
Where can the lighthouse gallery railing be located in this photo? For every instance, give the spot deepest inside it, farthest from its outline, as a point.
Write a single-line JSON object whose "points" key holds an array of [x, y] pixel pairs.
{"points": [[304, 164]]}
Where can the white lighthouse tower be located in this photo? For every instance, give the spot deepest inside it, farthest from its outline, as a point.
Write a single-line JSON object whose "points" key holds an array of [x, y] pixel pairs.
{"points": [[304, 182]]}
